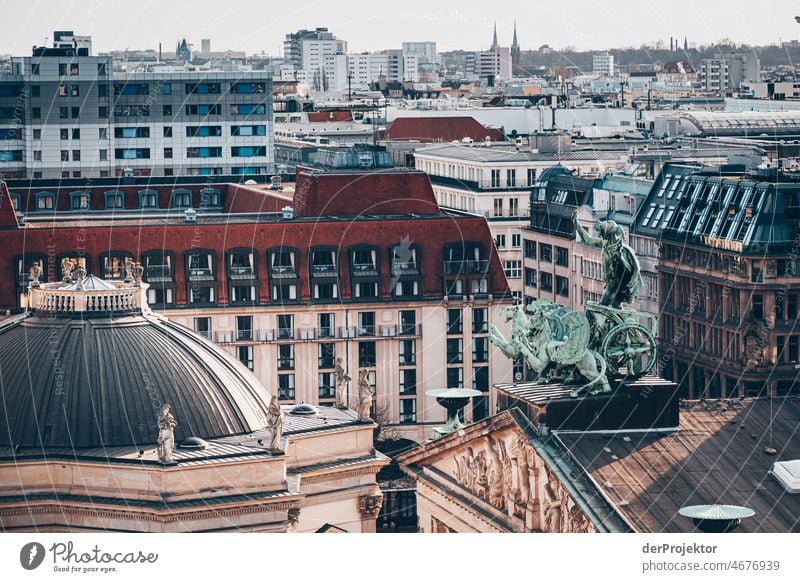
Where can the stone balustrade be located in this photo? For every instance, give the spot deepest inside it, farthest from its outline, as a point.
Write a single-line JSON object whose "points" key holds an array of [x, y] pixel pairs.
{"points": [[55, 300]]}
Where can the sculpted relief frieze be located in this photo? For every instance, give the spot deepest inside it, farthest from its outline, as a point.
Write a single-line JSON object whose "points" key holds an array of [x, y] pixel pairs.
{"points": [[505, 471]]}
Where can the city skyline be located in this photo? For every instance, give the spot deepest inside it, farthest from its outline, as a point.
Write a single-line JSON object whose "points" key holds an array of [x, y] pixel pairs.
{"points": [[453, 25]]}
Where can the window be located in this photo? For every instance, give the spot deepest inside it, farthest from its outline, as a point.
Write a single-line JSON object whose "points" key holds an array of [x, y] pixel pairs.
{"points": [[408, 355], [325, 291], [167, 131], [166, 111], [511, 178], [204, 152], [148, 199], [202, 109], [500, 241], [241, 264], [64, 133], [246, 88], [167, 153], [286, 357], [530, 249], [131, 89], [531, 176], [166, 88], [285, 326], [210, 198], [102, 112], [248, 109], [202, 88], [530, 277], [103, 155], [74, 112], [63, 112], [131, 132], [408, 322], [516, 241], [245, 355], [758, 306], [157, 267], [36, 112], [366, 354], [513, 269], [408, 382], [495, 179], [323, 262], [79, 201], [248, 151], [562, 257], [480, 349], [102, 90], [455, 377], [545, 253], [408, 410], [285, 386], [204, 131], [325, 325], [34, 68], [76, 155], [454, 321], [366, 323], [480, 320], [114, 199], [546, 282], [248, 130], [562, 286], [37, 155], [326, 355], [114, 264], [45, 201], [498, 207], [327, 385], [406, 288], [181, 198], [455, 348], [132, 153]]}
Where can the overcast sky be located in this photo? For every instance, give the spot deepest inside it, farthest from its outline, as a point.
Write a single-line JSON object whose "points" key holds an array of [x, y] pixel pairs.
{"points": [[256, 25]]}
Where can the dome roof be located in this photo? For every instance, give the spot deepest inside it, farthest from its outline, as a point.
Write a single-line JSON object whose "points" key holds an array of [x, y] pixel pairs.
{"points": [[76, 381]]}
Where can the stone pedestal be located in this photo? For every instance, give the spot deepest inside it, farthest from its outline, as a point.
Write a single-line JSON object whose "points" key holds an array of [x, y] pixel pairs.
{"points": [[648, 403]]}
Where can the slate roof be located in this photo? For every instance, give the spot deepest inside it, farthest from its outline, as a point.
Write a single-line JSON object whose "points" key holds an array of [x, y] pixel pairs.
{"points": [[79, 383], [717, 456]]}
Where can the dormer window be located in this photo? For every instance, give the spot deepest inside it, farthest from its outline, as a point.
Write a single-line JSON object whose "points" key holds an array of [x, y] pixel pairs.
{"points": [[148, 199], [210, 198], [79, 201], [114, 264], [16, 201], [181, 198], [324, 274], [405, 270], [160, 275], [45, 201], [364, 271], [283, 275], [201, 284], [22, 266], [242, 280], [115, 199]]}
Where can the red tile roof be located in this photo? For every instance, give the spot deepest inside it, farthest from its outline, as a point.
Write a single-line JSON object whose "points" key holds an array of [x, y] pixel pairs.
{"points": [[326, 116], [355, 194], [450, 128]]}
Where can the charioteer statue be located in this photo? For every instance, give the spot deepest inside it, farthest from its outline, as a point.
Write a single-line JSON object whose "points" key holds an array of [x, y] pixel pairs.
{"points": [[587, 348]]}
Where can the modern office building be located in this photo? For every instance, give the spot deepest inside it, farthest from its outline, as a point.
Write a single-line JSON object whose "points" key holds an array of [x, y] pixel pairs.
{"points": [[63, 114], [357, 268]]}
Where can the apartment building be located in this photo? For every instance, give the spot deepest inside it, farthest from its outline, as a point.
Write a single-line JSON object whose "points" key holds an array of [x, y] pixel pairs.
{"points": [[63, 114]]}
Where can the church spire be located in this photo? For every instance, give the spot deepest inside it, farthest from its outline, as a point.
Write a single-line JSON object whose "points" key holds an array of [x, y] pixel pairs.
{"points": [[514, 43], [494, 38]]}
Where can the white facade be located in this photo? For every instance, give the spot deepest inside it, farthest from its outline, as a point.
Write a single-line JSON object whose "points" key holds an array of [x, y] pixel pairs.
{"points": [[603, 64], [495, 62], [425, 51], [325, 64]]}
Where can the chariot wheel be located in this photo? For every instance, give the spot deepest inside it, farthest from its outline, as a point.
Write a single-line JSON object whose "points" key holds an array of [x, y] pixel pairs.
{"points": [[629, 349]]}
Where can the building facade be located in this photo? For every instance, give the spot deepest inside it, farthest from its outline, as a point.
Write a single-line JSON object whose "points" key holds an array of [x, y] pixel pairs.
{"points": [[727, 279], [726, 72], [357, 270], [63, 114]]}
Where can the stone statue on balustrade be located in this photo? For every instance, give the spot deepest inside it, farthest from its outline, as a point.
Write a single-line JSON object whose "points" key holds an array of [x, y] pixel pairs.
{"points": [[274, 424], [342, 380], [166, 434], [364, 395], [35, 271]]}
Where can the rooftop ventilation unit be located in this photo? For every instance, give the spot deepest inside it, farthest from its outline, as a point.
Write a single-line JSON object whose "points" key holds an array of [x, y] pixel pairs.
{"points": [[288, 212], [788, 474], [190, 215]]}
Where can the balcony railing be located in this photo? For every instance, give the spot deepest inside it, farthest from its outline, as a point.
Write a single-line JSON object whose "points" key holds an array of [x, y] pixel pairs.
{"points": [[323, 270], [465, 267], [241, 272], [158, 273], [244, 335], [201, 273], [404, 268], [364, 267]]}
